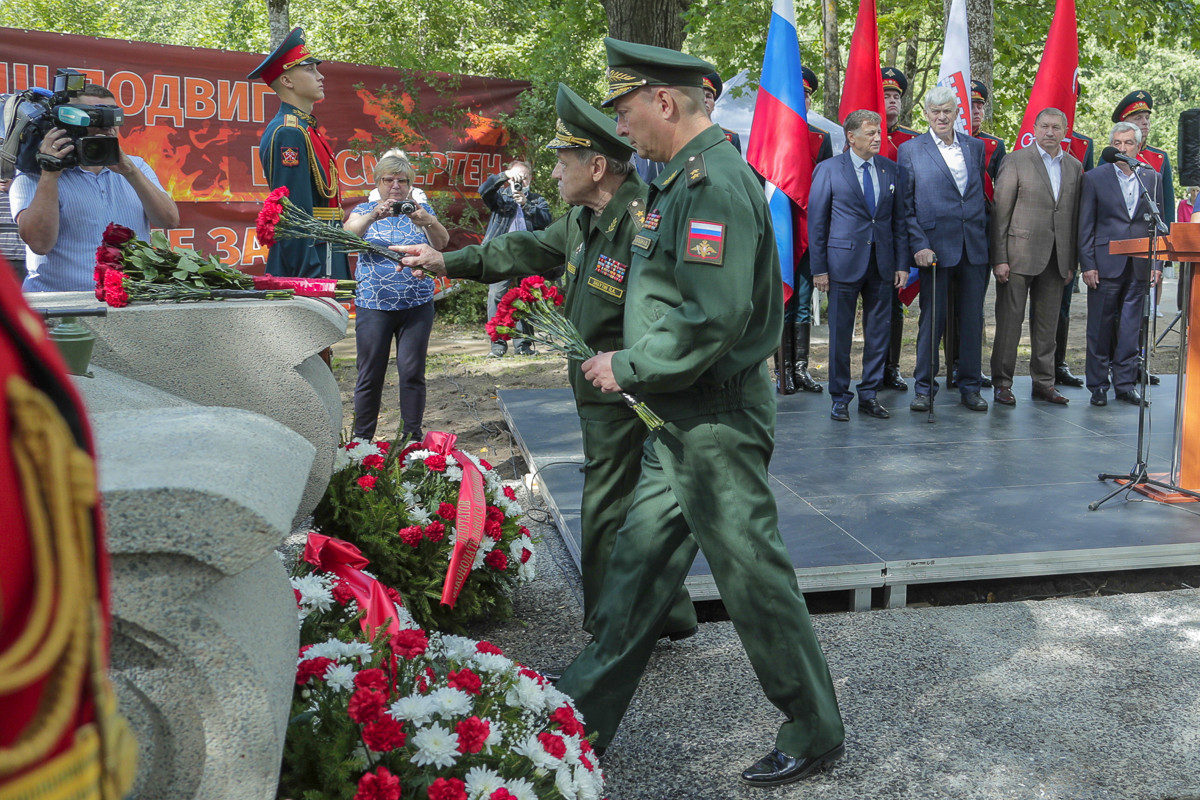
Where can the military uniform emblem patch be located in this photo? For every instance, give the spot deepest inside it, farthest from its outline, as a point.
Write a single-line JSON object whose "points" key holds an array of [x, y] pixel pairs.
{"points": [[611, 268], [289, 156], [705, 241]]}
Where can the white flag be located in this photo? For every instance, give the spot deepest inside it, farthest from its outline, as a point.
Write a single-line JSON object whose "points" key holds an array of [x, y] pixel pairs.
{"points": [[956, 63]]}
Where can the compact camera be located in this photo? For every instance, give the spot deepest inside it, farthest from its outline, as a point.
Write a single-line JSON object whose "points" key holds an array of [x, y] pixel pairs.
{"points": [[518, 185], [403, 207]]}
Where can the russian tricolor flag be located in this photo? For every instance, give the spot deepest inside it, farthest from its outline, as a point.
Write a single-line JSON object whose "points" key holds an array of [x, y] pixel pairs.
{"points": [[779, 146]]}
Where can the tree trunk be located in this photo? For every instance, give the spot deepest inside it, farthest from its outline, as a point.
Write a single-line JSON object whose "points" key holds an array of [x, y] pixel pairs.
{"points": [[277, 21], [979, 29], [656, 22], [910, 72], [832, 81]]}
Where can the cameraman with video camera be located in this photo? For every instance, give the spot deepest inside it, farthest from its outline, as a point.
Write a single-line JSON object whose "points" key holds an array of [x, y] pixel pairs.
{"points": [[514, 208], [62, 213]]}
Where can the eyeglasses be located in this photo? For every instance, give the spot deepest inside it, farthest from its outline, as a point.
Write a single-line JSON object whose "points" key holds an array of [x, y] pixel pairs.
{"points": [[391, 179]]}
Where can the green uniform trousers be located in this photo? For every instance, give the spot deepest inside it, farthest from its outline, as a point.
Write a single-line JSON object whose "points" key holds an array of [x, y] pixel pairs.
{"points": [[708, 474], [613, 455]]}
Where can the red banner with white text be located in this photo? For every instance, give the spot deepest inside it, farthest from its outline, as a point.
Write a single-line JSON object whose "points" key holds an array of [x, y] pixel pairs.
{"points": [[195, 118]]}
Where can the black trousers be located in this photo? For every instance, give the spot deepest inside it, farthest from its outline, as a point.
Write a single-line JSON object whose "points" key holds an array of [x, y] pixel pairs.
{"points": [[374, 332]]}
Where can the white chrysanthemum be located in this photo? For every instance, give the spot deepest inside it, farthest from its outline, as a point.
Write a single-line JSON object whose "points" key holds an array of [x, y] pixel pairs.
{"points": [[403, 618], [495, 734], [363, 450], [565, 783], [417, 455], [480, 554], [455, 474], [573, 752], [588, 784], [356, 649], [316, 593], [436, 747], [450, 702], [482, 782], [419, 515], [458, 648], [330, 648], [341, 459], [554, 698], [527, 694], [340, 677], [451, 461], [415, 708], [491, 662], [532, 749], [521, 789], [527, 571]]}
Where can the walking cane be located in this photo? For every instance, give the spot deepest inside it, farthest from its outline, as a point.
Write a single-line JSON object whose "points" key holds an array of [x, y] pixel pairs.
{"points": [[933, 335]]}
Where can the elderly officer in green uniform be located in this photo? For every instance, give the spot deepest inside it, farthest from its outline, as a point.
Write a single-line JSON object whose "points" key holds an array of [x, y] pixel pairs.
{"points": [[704, 311], [294, 153], [595, 175]]}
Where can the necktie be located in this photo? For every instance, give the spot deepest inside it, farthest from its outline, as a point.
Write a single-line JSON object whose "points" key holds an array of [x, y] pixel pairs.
{"points": [[868, 189]]}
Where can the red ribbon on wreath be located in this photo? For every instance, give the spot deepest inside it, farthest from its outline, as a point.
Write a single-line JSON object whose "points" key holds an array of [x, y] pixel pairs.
{"points": [[468, 524], [340, 558]]}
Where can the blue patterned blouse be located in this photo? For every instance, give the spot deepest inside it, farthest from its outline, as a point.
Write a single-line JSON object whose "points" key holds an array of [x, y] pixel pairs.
{"points": [[380, 285]]}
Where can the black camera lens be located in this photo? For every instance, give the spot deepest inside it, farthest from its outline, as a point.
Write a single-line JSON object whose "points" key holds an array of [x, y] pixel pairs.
{"points": [[97, 151], [404, 207]]}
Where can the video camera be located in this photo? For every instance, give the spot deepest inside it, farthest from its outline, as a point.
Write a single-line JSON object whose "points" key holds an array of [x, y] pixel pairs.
{"points": [[28, 116]]}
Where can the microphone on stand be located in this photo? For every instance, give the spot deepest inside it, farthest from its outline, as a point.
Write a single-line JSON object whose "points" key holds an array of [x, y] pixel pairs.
{"points": [[1112, 155]]}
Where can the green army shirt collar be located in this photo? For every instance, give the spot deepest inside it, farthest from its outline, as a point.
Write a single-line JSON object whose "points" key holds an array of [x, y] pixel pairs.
{"points": [[702, 141], [628, 199]]}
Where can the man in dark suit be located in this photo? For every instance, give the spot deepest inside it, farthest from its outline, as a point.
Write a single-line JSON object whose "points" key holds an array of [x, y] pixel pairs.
{"points": [[859, 246], [1111, 208], [1032, 233], [895, 86], [947, 221]]}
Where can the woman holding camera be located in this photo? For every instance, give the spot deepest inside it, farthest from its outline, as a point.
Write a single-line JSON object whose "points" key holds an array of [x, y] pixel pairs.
{"points": [[392, 304]]}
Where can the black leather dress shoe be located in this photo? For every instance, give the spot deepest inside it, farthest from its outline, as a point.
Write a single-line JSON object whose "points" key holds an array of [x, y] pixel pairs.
{"points": [[1154, 381], [550, 675], [777, 767], [1099, 397], [1064, 377], [919, 403], [1004, 397], [974, 402], [892, 379], [840, 412], [986, 382], [1052, 396], [1133, 397], [872, 408], [678, 636]]}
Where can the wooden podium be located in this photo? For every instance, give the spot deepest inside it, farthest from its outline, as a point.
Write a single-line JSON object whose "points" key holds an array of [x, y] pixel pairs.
{"points": [[1181, 245]]}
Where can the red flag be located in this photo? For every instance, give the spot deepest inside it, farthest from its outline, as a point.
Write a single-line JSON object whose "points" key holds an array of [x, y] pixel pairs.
{"points": [[1057, 75], [863, 87]]}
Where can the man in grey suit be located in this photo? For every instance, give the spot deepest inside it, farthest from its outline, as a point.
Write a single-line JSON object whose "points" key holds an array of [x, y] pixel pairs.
{"points": [[1111, 207], [947, 221], [1033, 229]]}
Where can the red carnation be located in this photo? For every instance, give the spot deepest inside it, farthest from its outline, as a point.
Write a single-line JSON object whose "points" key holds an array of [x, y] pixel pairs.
{"points": [[299, 596], [483, 463], [587, 764], [384, 734], [585, 746], [472, 733], [116, 234], [447, 511], [465, 681], [494, 513], [502, 794], [109, 255], [425, 679], [436, 462], [374, 679], [114, 289], [526, 554], [435, 531], [565, 717], [380, 785], [524, 532], [277, 195], [365, 706], [496, 560], [394, 595], [533, 282], [98, 277], [384, 447], [553, 744], [448, 789], [411, 535], [488, 647], [373, 462], [493, 529], [409, 643], [312, 668], [342, 593], [351, 444], [367, 482], [509, 493]]}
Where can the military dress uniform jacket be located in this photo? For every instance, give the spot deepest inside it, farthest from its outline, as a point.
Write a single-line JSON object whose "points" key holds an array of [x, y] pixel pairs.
{"points": [[705, 306], [595, 250], [1161, 162], [295, 154]]}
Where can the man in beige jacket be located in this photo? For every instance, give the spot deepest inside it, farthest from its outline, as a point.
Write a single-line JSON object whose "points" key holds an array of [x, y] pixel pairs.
{"points": [[1033, 229]]}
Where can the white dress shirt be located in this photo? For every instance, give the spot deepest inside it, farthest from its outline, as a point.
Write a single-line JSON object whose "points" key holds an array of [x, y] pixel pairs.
{"points": [[1053, 169], [1129, 188], [955, 159]]}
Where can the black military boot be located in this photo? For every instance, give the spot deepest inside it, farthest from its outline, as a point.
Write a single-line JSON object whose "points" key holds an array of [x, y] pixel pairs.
{"points": [[785, 360], [800, 376]]}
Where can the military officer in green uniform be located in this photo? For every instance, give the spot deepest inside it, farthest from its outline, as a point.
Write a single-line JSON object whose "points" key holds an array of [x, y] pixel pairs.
{"points": [[703, 312], [595, 175], [294, 153]]}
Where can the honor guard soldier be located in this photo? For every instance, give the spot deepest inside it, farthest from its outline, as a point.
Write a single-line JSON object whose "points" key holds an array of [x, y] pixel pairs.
{"points": [[895, 86], [294, 153], [593, 240], [60, 733], [703, 311], [791, 361], [712, 92]]}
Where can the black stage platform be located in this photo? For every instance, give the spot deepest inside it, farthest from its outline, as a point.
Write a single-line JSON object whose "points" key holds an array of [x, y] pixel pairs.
{"points": [[885, 503]]}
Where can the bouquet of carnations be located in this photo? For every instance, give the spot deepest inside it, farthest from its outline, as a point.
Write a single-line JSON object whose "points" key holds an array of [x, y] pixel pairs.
{"points": [[279, 218], [438, 524], [383, 714], [535, 301], [129, 269]]}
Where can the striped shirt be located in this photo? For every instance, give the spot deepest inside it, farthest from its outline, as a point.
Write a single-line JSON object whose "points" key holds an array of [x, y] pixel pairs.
{"points": [[87, 202]]}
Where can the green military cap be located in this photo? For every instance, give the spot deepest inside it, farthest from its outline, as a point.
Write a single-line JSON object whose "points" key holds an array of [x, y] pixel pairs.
{"points": [[581, 125], [631, 66]]}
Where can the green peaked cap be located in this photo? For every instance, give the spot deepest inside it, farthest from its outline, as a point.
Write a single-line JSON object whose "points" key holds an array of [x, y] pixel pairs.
{"points": [[581, 125], [631, 66]]}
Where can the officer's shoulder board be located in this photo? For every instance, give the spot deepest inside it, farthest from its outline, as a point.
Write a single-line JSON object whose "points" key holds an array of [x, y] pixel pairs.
{"points": [[637, 212], [697, 172]]}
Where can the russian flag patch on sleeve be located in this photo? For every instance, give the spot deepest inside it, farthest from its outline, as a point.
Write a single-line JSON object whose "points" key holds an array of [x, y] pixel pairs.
{"points": [[705, 242]]}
